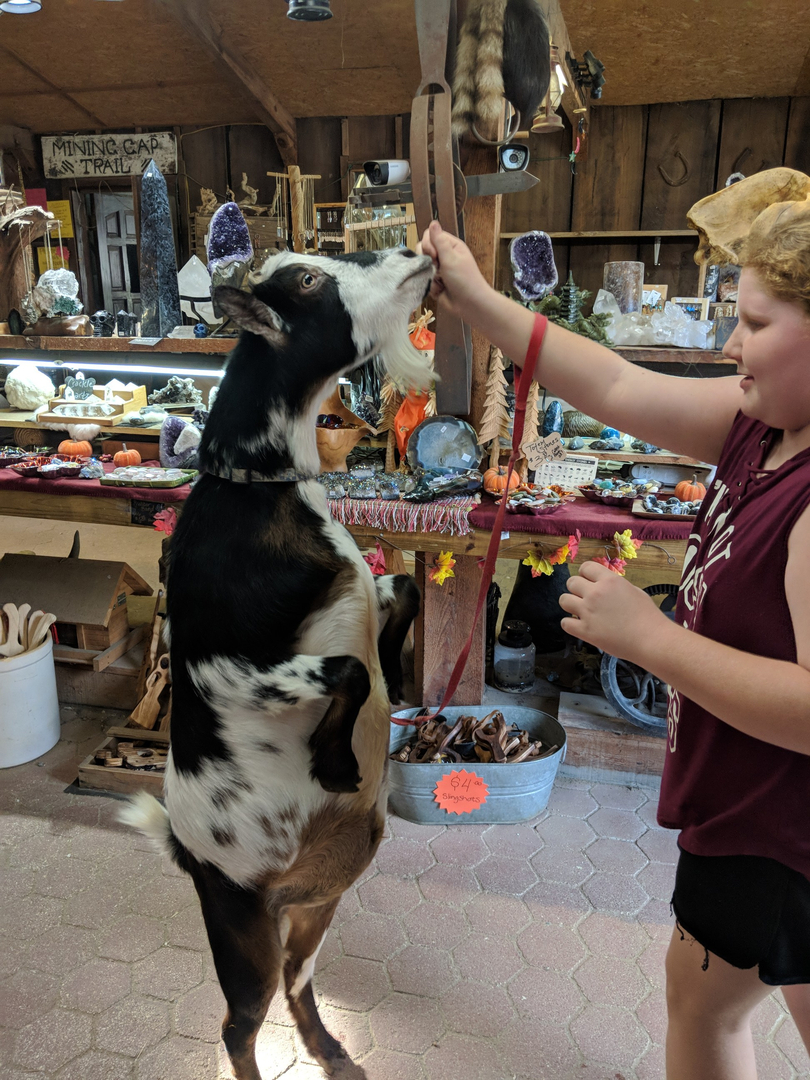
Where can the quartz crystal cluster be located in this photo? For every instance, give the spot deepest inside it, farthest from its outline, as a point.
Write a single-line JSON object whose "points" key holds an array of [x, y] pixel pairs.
{"points": [[672, 326]]}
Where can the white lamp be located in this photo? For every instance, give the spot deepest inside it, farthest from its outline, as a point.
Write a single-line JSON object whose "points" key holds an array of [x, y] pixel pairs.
{"points": [[547, 119], [20, 7]]}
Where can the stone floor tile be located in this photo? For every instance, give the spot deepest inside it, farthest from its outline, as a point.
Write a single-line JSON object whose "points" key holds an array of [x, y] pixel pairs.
{"points": [[388, 895], [407, 1023], [610, 935], [651, 962], [186, 930], [657, 920], [372, 936], [771, 1062], [404, 858], [97, 1065], [8, 1040], [352, 983], [615, 892], [96, 986], [567, 866], [495, 913], [604, 980], [38, 851], [419, 969], [26, 921], [437, 924], [15, 883], [768, 1016], [789, 1041], [132, 938], [348, 907], [513, 841], [610, 1035], [63, 877], [132, 1025], [454, 885], [618, 856], [660, 845], [488, 958], [457, 1058], [547, 945], [331, 948], [351, 1029], [25, 995], [411, 830], [99, 907], [13, 956], [389, 1065], [617, 824], [53, 1040], [178, 1058], [652, 1012], [657, 880], [61, 949], [199, 1013], [545, 995], [538, 1050], [648, 812], [173, 895], [511, 877], [571, 802], [563, 905], [476, 1008], [566, 832], [458, 847], [653, 1065], [618, 796], [167, 973]]}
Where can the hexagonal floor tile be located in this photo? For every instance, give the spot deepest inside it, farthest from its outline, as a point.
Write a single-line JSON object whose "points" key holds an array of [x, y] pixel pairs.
{"points": [[460, 845], [607, 981], [550, 946], [615, 892], [617, 856], [658, 881], [513, 841], [61, 949], [512, 877], [372, 936], [167, 973], [132, 1025], [392, 1065], [610, 1035], [178, 1058], [566, 833], [96, 986], [545, 995], [487, 958], [404, 858], [27, 994], [563, 865], [491, 912], [618, 796], [532, 1049], [97, 1065], [407, 1023], [571, 801], [387, 895], [448, 884], [436, 924], [199, 1013], [617, 824], [132, 938], [352, 983], [53, 1040], [610, 935], [474, 1008], [422, 970], [457, 1058]]}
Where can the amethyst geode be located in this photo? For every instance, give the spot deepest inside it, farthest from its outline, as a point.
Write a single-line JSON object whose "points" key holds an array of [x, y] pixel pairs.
{"points": [[228, 238], [533, 262]]}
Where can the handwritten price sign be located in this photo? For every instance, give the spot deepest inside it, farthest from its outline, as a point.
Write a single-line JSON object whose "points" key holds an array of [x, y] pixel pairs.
{"points": [[549, 448], [460, 792]]}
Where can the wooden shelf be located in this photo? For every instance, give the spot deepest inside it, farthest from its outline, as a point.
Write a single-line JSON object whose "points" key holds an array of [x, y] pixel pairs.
{"points": [[201, 346], [14, 418], [629, 234], [670, 354]]}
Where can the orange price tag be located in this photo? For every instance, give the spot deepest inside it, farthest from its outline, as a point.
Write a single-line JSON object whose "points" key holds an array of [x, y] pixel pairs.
{"points": [[460, 792]]}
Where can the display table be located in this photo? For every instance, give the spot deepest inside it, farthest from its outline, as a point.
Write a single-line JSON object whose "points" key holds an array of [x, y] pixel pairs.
{"points": [[447, 610]]}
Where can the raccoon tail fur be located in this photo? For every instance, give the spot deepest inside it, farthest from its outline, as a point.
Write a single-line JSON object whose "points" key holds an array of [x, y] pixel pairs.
{"points": [[478, 80]]}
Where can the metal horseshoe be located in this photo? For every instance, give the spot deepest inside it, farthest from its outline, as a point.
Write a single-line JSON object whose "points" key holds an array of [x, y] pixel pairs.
{"points": [[668, 179]]}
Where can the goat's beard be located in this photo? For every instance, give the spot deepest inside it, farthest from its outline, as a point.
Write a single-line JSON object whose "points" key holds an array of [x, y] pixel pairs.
{"points": [[409, 368]]}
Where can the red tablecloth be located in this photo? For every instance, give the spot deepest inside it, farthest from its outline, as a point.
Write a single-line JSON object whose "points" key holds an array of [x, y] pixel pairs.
{"points": [[11, 481], [593, 520]]}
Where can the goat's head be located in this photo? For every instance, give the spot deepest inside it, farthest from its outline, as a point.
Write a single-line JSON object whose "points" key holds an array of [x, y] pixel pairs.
{"points": [[329, 314]]}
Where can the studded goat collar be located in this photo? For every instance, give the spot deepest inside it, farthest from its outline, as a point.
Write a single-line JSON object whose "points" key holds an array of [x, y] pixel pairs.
{"points": [[250, 476]]}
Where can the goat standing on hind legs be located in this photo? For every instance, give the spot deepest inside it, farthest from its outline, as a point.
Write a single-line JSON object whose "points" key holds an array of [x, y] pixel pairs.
{"points": [[275, 785]]}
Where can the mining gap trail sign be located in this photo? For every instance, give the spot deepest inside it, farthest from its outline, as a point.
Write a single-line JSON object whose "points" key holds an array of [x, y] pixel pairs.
{"points": [[69, 156]]}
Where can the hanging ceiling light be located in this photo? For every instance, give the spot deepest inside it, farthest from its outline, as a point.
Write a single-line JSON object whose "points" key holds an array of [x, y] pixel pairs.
{"points": [[309, 10], [547, 119], [20, 7]]}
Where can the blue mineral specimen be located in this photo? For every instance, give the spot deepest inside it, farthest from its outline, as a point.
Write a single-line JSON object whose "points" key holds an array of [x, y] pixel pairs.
{"points": [[552, 419], [228, 239], [160, 299], [533, 262]]}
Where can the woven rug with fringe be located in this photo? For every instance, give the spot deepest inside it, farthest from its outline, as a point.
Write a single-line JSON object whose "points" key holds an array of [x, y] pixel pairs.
{"points": [[449, 515]]}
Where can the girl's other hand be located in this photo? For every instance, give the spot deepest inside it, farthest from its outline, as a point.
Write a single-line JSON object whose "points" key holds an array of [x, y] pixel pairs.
{"points": [[458, 285], [615, 616]]}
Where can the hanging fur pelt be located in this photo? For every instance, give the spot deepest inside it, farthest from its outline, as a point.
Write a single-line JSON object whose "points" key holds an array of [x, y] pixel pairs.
{"points": [[503, 50]]}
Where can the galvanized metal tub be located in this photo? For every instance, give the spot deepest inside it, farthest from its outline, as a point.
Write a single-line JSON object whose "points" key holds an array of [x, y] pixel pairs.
{"points": [[516, 792]]}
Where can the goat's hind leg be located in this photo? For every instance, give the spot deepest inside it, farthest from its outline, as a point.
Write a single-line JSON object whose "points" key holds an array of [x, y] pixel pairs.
{"points": [[307, 929], [246, 946], [398, 597]]}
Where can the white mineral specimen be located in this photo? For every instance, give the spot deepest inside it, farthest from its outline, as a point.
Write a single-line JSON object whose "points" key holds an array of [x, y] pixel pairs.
{"points": [[27, 387]]}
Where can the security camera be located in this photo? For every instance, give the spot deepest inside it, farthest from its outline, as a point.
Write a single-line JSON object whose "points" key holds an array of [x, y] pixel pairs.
{"points": [[513, 157], [381, 173]]}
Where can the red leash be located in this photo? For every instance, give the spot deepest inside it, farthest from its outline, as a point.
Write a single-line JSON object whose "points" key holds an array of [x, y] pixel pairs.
{"points": [[521, 395]]}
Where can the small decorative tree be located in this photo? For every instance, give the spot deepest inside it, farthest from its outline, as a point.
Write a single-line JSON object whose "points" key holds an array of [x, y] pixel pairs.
{"points": [[565, 308], [391, 399], [530, 429], [495, 422]]}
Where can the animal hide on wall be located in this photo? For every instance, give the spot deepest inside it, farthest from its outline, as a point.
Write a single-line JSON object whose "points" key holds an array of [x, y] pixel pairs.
{"points": [[503, 50]]}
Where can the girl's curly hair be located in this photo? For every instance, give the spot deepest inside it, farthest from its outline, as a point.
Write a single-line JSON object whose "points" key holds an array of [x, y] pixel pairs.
{"points": [[778, 248]]}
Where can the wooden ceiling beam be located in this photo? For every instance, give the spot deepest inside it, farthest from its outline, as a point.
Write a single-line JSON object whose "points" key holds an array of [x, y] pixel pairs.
{"points": [[97, 121], [196, 15]]}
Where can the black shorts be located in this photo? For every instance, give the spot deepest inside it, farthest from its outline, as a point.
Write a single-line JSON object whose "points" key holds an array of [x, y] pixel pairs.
{"points": [[748, 910]]}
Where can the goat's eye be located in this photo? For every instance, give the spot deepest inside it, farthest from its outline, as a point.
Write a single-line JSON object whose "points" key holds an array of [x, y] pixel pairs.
{"points": [[307, 281]]}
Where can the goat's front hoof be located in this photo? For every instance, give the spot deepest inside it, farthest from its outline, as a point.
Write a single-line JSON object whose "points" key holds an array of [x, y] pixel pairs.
{"points": [[336, 775]]}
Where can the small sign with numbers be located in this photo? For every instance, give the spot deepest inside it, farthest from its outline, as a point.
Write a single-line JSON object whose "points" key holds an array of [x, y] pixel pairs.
{"points": [[460, 792], [549, 448]]}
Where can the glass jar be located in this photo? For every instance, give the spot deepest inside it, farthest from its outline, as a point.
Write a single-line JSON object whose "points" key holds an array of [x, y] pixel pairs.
{"points": [[513, 661]]}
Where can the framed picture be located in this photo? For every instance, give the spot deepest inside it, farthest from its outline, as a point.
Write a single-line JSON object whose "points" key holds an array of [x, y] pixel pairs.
{"points": [[696, 307]]}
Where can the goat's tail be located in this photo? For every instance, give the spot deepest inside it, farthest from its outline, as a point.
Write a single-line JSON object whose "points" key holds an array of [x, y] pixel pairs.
{"points": [[144, 812]]}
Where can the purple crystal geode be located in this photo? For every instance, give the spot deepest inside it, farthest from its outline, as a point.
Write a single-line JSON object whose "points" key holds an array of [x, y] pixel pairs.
{"points": [[228, 238], [533, 262]]}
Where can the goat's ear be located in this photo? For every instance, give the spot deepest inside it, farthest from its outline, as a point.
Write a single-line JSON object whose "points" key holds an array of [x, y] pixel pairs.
{"points": [[249, 313]]}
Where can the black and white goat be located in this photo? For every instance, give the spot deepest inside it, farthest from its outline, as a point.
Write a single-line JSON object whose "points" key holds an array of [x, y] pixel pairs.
{"points": [[275, 785]]}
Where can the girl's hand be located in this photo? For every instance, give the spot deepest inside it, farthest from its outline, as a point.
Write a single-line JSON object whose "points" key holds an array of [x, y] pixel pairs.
{"points": [[613, 615], [458, 284]]}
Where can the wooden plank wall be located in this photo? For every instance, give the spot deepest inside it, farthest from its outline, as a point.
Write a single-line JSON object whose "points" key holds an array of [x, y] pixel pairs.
{"points": [[645, 166]]}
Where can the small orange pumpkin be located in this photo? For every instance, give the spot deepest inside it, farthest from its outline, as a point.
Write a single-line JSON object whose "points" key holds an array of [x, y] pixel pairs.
{"points": [[127, 457], [495, 480], [690, 490], [75, 449]]}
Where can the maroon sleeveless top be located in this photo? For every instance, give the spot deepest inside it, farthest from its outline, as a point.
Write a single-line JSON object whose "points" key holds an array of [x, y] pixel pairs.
{"points": [[731, 793]]}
